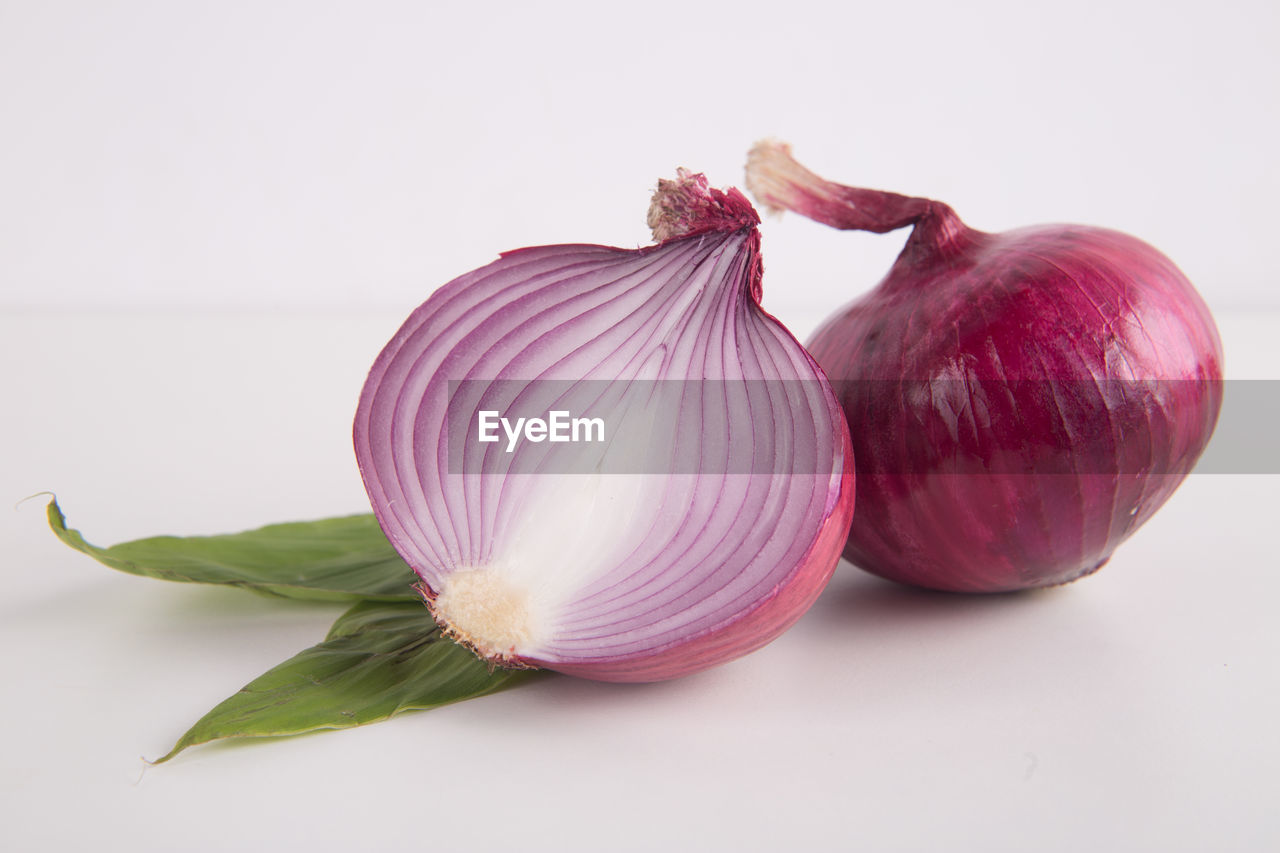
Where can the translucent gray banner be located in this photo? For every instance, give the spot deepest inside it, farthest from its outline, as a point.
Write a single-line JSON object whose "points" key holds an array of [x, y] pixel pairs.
{"points": [[968, 427], [1246, 440]]}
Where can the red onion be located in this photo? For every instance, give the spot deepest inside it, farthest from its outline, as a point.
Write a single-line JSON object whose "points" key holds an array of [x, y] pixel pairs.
{"points": [[1019, 403], [705, 521]]}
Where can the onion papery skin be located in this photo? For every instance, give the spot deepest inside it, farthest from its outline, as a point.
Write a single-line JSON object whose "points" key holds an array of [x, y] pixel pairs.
{"points": [[695, 567], [1019, 403]]}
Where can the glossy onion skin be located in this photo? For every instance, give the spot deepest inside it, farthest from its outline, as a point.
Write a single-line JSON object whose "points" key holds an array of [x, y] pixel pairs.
{"points": [[701, 590], [1034, 397]]}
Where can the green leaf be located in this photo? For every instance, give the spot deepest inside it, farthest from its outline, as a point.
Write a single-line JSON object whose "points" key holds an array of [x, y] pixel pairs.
{"points": [[335, 559], [378, 660]]}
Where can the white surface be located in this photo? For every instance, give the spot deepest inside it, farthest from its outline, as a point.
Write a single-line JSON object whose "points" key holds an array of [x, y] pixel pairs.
{"points": [[1133, 710], [307, 152]]}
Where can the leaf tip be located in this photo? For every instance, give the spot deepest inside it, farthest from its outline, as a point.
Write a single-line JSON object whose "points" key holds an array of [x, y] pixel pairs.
{"points": [[156, 762], [53, 500]]}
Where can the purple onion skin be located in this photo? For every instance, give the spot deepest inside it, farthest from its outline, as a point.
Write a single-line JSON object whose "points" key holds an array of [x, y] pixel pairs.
{"points": [[1019, 403]]}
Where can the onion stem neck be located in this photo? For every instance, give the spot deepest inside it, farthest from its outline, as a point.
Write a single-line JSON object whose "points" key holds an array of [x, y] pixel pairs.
{"points": [[780, 183], [689, 205]]}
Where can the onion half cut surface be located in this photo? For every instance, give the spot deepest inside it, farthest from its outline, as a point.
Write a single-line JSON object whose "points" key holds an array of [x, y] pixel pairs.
{"points": [[611, 463]]}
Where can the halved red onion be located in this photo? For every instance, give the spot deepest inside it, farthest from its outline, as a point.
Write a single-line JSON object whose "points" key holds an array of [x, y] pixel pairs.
{"points": [[705, 522], [1020, 403]]}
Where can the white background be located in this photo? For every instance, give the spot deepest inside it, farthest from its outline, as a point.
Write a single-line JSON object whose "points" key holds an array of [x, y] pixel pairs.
{"points": [[311, 153], [213, 215]]}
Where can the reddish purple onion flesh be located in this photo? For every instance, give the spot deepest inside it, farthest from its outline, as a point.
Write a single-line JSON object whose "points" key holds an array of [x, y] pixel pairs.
{"points": [[542, 555], [1019, 403]]}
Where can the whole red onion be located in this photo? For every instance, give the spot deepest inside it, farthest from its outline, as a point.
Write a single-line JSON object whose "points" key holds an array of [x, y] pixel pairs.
{"points": [[1019, 403]]}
